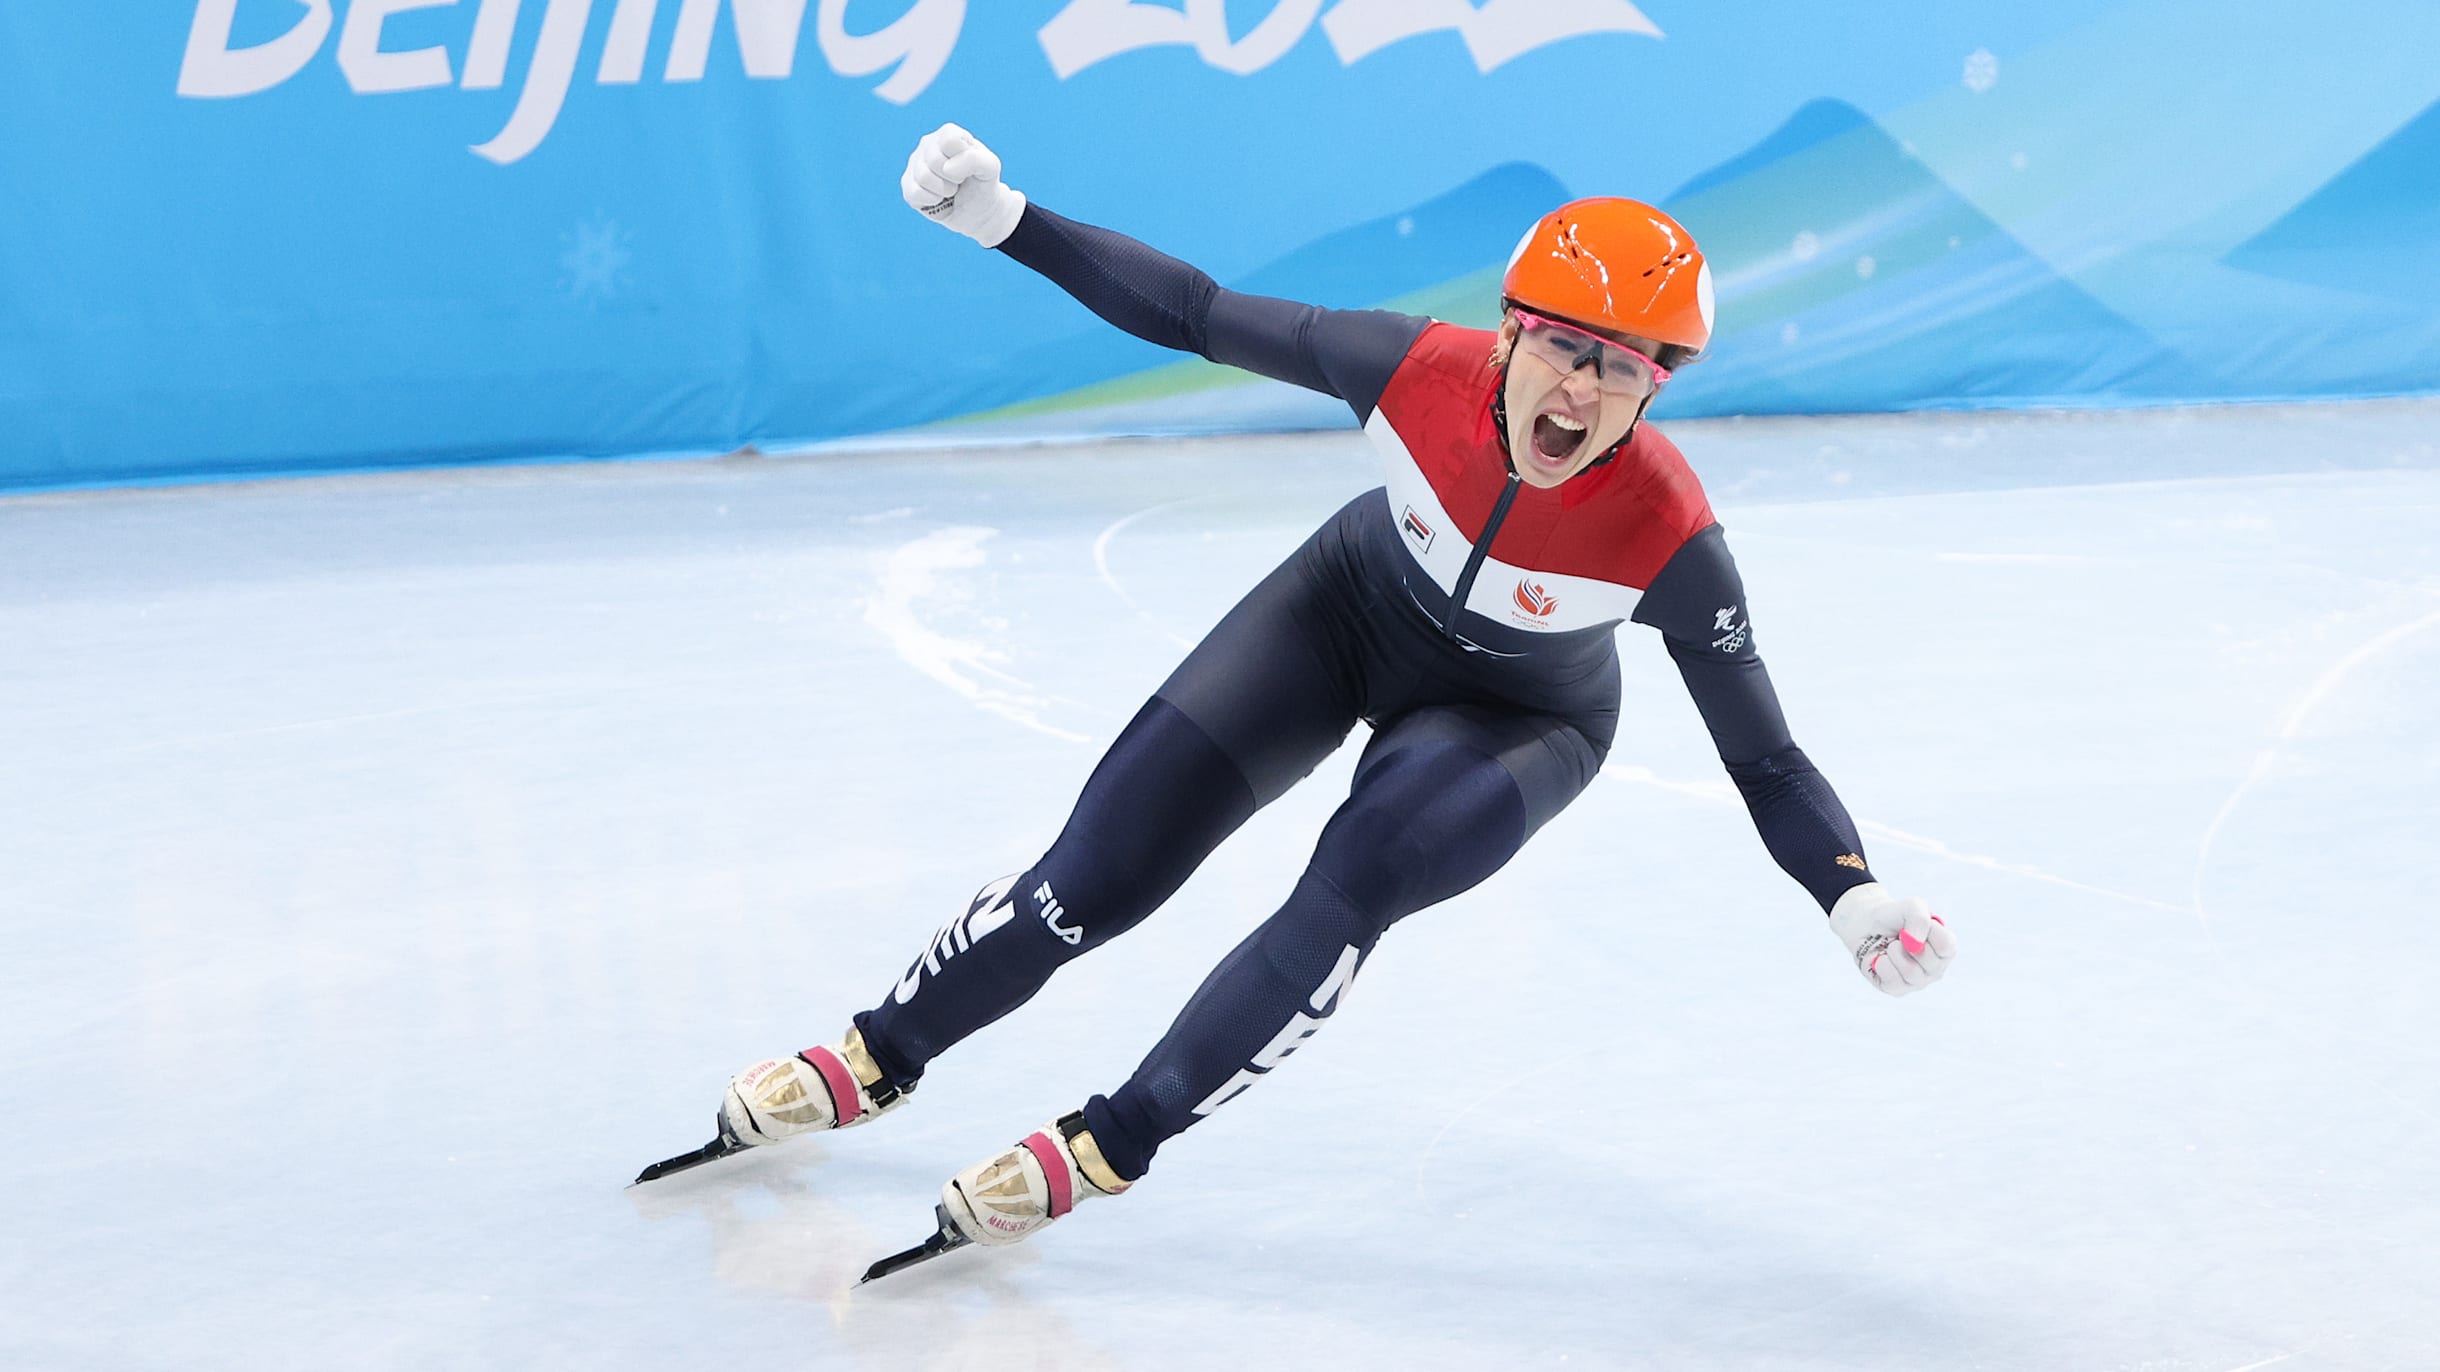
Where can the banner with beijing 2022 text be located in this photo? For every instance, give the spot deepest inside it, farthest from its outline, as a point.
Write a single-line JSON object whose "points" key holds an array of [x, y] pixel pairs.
{"points": [[277, 235]]}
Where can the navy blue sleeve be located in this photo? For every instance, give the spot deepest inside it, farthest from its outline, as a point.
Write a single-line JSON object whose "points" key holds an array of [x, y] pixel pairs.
{"points": [[1349, 354], [1698, 603]]}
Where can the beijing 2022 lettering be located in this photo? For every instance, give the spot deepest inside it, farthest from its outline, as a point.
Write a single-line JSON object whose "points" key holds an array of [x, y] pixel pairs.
{"points": [[913, 49]]}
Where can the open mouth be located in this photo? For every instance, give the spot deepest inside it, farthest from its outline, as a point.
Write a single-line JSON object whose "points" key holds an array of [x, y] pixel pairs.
{"points": [[1556, 437]]}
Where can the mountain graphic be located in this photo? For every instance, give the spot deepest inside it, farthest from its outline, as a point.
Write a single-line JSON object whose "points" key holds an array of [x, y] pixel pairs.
{"points": [[1818, 122], [1393, 256], [2374, 228], [1851, 277], [1399, 261]]}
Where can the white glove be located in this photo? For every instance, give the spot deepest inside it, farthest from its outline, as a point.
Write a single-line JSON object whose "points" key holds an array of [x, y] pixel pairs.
{"points": [[954, 180], [1899, 945]]}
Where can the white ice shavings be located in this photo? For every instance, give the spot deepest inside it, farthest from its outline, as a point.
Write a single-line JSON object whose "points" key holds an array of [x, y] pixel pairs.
{"points": [[918, 588]]}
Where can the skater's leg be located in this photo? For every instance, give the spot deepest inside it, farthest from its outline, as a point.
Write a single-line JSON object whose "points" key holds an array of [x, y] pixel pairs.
{"points": [[1253, 708], [1441, 800], [1161, 799]]}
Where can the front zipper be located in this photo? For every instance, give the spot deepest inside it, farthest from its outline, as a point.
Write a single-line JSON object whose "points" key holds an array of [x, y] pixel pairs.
{"points": [[1474, 560]]}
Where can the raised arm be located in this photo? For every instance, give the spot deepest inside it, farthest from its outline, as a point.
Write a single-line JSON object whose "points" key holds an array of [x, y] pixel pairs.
{"points": [[1344, 353]]}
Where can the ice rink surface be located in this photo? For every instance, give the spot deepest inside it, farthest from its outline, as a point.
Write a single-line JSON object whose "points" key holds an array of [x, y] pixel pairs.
{"points": [[391, 865]]}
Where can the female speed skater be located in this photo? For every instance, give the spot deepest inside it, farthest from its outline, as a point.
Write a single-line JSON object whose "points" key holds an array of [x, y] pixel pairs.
{"points": [[1465, 610]]}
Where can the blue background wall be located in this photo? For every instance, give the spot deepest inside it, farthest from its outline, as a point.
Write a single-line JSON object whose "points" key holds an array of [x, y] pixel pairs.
{"points": [[393, 247]]}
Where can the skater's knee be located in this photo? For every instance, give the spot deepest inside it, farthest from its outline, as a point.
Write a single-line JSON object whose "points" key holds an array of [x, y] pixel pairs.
{"points": [[1424, 826], [1319, 920], [1375, 859], [1390, 865]]}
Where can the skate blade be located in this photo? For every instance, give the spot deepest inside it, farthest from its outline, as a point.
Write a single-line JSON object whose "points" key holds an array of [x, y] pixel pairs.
{"points": [[717, 1149], [944, 1240]]}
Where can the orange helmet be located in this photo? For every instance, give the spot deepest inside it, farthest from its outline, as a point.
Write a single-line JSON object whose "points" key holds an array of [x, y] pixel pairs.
{"points": [[1619, 265]]}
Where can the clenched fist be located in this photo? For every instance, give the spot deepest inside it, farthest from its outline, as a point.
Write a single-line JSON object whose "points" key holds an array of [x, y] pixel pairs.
{"points": [[1899, 945], [953, 179]]}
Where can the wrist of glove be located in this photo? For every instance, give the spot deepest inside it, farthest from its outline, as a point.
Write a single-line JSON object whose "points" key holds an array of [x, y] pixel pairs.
{"points": [[1900, 946], [953, 180]]}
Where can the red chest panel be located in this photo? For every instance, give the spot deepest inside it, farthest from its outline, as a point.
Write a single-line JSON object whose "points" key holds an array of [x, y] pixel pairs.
{"points": [[1618, 523]]}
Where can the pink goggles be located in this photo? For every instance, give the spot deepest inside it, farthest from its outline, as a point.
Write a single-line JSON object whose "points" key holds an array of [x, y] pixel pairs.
{"points": [[1620, 369]]}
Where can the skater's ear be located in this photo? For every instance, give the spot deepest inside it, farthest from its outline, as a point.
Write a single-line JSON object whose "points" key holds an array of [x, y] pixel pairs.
{"points": [[1504, 346]]}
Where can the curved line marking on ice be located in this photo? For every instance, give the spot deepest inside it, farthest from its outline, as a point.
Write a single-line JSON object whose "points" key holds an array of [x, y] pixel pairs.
{"points": [[1723, 791], [2015, 869], [1101, 565], [1508, 1087], [2312, 699], [912, 572]]}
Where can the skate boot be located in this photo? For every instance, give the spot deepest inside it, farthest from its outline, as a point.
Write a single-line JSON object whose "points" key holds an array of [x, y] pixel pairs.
{"points": [[1006, 1197], [820, 1088]]}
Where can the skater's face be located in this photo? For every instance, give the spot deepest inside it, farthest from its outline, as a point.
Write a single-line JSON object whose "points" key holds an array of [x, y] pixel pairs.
{"points": [[1573, 392]]}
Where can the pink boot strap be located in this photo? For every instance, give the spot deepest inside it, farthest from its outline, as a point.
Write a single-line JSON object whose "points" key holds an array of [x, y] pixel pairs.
{"points": [[845, 1100], [1054, 1171]]}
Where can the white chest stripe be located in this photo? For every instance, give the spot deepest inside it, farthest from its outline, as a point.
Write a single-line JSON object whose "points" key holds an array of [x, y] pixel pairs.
{"points": [[1430, 536], [1522, 597]]}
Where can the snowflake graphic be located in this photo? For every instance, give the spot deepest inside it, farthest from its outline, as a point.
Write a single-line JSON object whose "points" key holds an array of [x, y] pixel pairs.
{"points": [[1865, 267], [1982, 70], [1807, 244], [593, 260]]}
